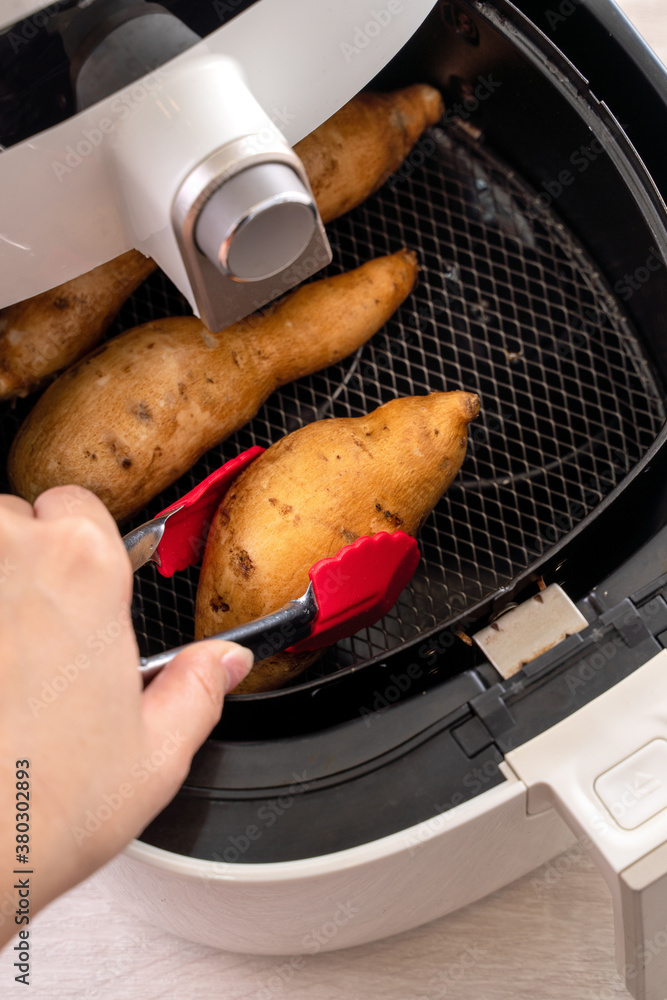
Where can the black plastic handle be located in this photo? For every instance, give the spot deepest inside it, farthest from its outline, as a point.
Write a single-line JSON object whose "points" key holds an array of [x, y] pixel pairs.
{"points": [[264, 636]]}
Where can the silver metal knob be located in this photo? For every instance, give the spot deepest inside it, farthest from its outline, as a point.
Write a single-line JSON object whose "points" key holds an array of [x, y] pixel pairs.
{"points": [[257, 223], [247, 227]]}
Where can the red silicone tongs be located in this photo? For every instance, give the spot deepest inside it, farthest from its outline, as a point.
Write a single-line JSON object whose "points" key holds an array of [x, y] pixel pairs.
{"points": [[175, 539], [347, 592]]}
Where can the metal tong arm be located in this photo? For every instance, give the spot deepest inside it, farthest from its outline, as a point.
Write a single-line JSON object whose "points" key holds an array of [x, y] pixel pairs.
{"points": [[141, 543], [264, 636]]}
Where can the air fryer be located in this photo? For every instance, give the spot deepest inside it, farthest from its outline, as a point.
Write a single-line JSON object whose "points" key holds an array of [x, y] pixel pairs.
{"points": [[536, 210]]}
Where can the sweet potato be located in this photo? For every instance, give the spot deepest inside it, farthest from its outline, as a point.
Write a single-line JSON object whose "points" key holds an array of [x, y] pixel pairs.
{"points": [[135, 414], [354, 152], [48, 332], [316, 490]]}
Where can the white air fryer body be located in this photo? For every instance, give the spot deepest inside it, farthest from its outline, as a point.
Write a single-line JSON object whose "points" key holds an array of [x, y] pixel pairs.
{"points": [[348, 898], [568, 783]]}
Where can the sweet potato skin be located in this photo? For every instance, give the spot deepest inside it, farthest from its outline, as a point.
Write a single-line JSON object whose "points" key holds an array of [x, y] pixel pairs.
{"points": [[354, 152], [134, 415], [45, 334], [316, 490]]}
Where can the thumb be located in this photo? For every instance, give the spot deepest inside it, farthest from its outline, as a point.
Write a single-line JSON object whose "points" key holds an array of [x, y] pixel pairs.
{"points": [[185, 701]]}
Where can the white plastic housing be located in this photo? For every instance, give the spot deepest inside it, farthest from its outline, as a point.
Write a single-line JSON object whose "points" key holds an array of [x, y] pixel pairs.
{"points": [[200, 107], [605, 770], [12, 11], [348, 898]]}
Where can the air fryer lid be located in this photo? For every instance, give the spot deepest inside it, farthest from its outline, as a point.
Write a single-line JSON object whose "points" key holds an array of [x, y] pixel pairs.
{"points": [[42, 56]]}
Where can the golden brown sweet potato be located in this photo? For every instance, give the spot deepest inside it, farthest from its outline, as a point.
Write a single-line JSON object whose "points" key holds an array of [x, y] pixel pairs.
{"points": [[48, 332], [316, 490], [352, 153], [135, 414]]}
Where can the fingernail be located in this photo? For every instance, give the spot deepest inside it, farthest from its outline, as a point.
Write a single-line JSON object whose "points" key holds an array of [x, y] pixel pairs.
{"points": [[237, 663]]}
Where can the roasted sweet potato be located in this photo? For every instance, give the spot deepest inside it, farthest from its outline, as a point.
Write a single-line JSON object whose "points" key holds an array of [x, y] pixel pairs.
{"points": [[48, 332], [354, 152], [316, 490], [135, 414]]}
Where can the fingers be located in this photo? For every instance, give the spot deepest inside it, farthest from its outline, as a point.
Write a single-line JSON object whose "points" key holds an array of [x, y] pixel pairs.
{"points": [[185, 701], [81, 528], [74, 501], [15, 505]]}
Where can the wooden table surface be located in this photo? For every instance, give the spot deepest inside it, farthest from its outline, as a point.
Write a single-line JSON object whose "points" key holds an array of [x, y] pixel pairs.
{"points": [[546, 937]]}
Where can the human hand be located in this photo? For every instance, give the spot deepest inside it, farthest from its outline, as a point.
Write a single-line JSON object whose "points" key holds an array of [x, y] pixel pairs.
{"points": [[104, 755]]}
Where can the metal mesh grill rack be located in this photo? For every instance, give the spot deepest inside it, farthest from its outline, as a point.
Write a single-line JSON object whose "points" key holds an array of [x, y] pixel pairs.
{"points": [[508, 305]]}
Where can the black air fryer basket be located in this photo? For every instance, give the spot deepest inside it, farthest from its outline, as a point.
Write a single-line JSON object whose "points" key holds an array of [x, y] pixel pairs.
{"points": [[541, 236]]}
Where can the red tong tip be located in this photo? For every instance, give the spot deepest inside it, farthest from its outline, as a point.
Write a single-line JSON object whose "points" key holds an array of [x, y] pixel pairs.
{"points": [[359, 585]]}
